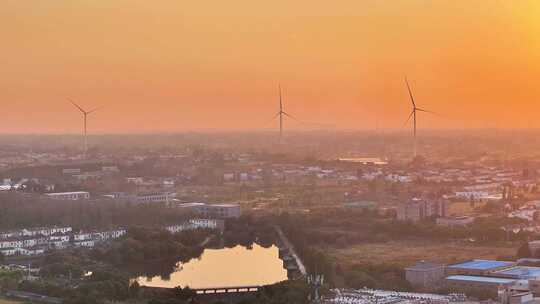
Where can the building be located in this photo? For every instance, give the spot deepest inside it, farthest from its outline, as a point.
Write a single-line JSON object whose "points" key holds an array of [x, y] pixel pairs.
{"points": [[77, 195], [85, 243], [219, 210], [468, 282], [518, 272], [35, 241], [478, 267], [419, 209], [155, 197], [211, 211], [425, 275], [197, 224]]}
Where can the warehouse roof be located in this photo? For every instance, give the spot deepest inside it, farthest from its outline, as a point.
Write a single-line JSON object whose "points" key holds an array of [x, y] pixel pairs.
{"points": [[520, 272], [479, 279], [482, 264]]}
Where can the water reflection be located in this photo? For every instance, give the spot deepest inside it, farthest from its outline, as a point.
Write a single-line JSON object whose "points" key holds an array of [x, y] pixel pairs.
{"points": [[237, 266]]}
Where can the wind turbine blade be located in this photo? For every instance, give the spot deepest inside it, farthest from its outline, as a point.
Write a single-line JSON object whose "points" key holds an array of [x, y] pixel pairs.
{"points": [[409, 118], [78, 107], [280, 100], [290, 116], [410, 92], [92, 111], [427, 111]]}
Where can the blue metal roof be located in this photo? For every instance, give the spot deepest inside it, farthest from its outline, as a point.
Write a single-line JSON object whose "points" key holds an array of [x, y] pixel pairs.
{"points": [[482, 264], [480, 279], [521, 272]]}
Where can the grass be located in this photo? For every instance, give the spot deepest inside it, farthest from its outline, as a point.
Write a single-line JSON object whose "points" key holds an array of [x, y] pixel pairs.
{"points": [[406, 253]]}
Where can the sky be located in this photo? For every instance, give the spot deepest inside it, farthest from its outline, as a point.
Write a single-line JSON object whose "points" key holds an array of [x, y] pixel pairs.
{"points": [[176, 65]]}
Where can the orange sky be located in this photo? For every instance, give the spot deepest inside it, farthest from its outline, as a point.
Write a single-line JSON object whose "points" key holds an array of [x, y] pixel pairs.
{"points": [[176, 65]]}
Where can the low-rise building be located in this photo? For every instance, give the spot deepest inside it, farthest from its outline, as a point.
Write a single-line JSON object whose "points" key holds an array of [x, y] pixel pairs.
{"points": [[164, 197], [425, 275], [481, 282], [420, 209], [518, 272], [219, 210]]}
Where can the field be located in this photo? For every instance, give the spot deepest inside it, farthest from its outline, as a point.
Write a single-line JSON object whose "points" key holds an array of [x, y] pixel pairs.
{"points": [[406, 253], [4, 301]]}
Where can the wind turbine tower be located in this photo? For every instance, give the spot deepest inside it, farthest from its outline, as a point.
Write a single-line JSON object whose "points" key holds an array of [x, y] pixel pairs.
{"points": [[85, 132], [413, 115], [280, 114]]}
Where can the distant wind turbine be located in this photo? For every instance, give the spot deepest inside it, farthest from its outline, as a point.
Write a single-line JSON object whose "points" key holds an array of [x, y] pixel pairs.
{"points": [[85, 133], [413, 113], [281, 113]]}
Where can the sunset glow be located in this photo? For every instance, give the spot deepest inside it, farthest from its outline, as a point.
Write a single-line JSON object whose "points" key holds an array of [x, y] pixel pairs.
{"points": [[184, 65]]}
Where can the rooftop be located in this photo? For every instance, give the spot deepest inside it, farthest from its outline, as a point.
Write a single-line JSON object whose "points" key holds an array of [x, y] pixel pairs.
{"points": [[66, 193], [482, 264], [480, 279], [521, 272], [424, 266]]}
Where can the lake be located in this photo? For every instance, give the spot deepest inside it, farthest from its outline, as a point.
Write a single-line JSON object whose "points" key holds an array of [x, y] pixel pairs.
{"points": [[226, 267]]}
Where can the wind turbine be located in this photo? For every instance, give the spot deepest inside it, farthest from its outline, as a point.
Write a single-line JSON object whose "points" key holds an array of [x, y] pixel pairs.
{"points": [[85, 133], [413, 113], [280, 114]]}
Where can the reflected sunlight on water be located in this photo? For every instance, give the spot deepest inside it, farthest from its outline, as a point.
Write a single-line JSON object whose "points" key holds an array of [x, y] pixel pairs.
{"points": [[238, 266]]}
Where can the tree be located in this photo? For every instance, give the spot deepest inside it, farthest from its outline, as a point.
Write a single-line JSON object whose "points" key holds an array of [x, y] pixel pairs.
{"points": [[185, 293]]}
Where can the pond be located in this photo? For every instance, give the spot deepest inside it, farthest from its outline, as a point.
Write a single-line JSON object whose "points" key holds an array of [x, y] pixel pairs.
{"points": [[226, 267]]}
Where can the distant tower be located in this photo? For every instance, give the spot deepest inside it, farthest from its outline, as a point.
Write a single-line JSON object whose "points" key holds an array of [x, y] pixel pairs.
{"points": [[280, 115]]}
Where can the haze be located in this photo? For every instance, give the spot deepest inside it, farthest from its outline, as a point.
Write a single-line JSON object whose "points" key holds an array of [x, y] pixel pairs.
{"points": [[182, 65]]}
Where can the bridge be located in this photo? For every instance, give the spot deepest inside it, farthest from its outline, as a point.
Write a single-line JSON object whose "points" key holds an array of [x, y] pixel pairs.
{"points": [[226, 290]]}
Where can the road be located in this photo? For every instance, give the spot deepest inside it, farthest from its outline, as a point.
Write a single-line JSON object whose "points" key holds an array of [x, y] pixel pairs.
{"points": [[288, 244]]}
